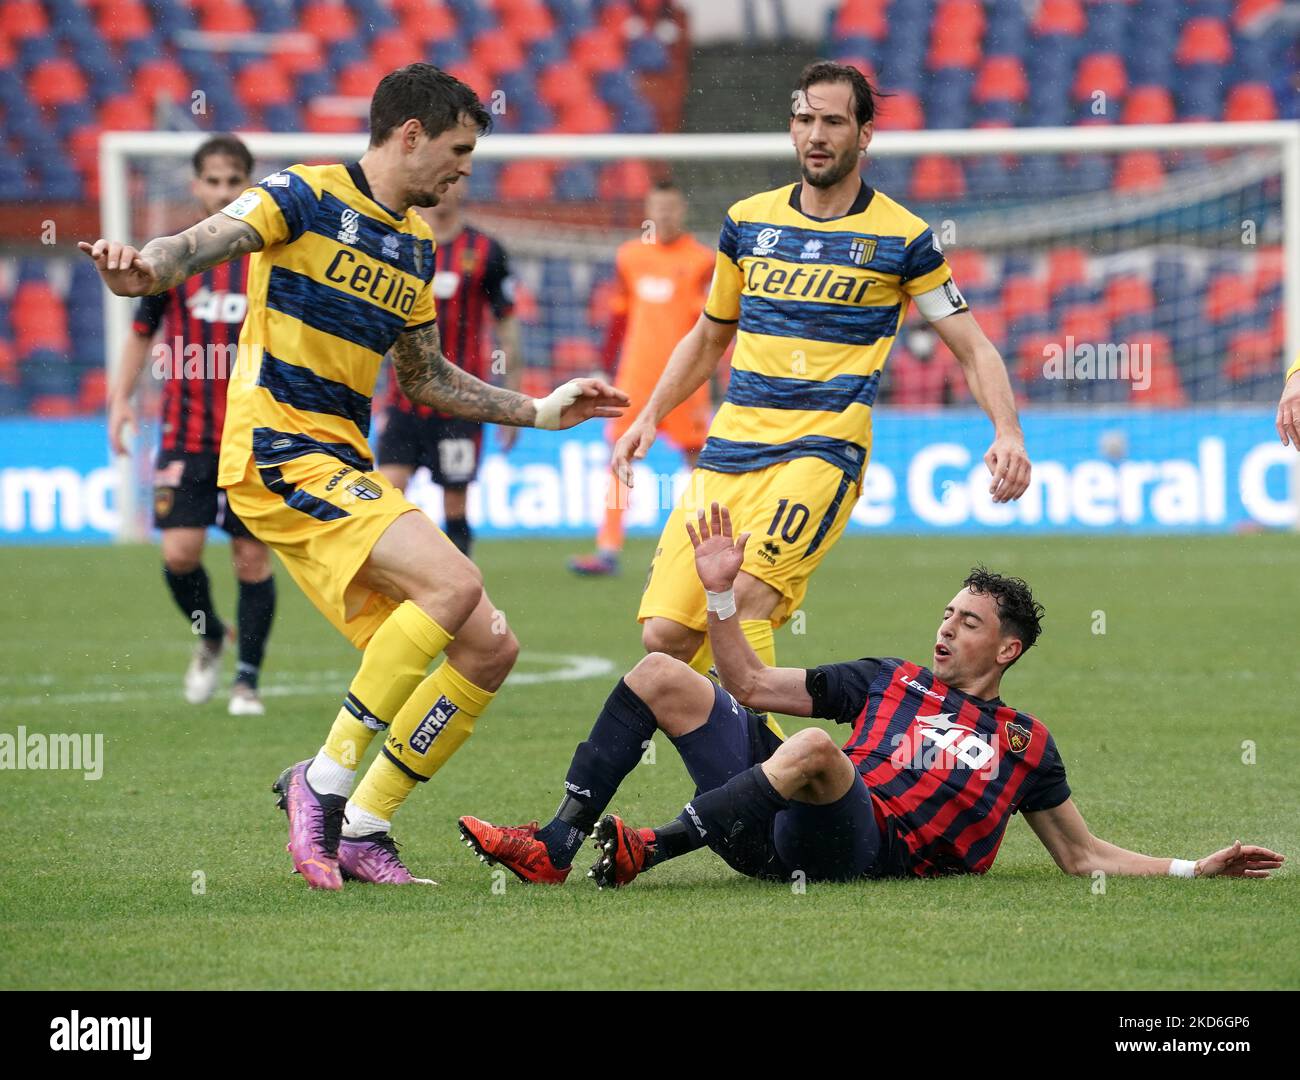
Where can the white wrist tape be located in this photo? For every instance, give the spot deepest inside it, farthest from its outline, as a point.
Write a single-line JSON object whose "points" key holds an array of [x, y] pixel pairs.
{"points": [[722, 604], [1182, 868], [550, 407]]}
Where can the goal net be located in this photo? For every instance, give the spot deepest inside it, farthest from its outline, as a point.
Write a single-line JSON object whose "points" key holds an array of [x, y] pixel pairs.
{"points": [[1134, 278]]}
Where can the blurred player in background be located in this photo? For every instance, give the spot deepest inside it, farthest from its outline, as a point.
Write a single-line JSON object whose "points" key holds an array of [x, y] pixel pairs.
{"points": [[205, 311], [661, 281], [343, 274], [813, 281], [471, 284]]}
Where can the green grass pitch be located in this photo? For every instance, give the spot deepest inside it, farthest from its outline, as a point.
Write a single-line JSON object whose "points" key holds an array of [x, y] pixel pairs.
{"points": [[170, 871]]}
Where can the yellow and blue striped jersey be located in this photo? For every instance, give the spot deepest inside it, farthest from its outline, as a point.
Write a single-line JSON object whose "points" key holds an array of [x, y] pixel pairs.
{"points": [[818, 303], [338, 278]]}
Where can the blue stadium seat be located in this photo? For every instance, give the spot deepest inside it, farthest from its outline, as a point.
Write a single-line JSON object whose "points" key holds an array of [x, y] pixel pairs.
{"points": [[345, 52], [282, 117], [45, 371], [987, 177], [637, 118], [272, 17], [1200, 91], [472, 17], [1107, 27], [534, 116], [547, 51], [893, 176], [572, 16], [444, 54], [373, 15], [947, 98], [483, 181], [13, 402], [32, 50], [313, 84], [647, 53], [170, 16], [576, 182]]}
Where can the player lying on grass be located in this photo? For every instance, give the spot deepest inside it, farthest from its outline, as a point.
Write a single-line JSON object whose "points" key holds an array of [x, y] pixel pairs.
{"points": [[936, 764]]}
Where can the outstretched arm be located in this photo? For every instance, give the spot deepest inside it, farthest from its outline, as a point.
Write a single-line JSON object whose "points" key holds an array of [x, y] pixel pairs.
{"points": [[427, 377], [1067, 837], [1288, 408], [164, 263], [986, 375], [718, 558]]}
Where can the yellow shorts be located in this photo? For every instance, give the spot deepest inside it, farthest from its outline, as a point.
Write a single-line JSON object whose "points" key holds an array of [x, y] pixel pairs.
{"points": [[322, 518], [794, 513]]}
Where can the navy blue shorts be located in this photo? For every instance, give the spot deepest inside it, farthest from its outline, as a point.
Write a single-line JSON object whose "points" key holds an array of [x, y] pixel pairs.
{"points": [[834, 842]]}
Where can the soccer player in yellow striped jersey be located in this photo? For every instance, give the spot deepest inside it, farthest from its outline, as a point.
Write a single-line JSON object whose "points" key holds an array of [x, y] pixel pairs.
{"points": [[1288, 407], [341, 274], [813, 281]]}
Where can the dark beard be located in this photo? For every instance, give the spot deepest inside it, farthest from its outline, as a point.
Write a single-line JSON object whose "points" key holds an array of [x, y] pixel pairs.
{"points": [[841, 168]]}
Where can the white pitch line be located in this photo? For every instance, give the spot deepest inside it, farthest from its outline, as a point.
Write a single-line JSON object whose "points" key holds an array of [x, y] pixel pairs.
{"points": [[569, 667]]}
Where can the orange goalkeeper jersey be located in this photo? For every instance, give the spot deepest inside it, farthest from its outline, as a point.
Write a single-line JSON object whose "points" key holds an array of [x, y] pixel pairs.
{"points": [[659, 292]]}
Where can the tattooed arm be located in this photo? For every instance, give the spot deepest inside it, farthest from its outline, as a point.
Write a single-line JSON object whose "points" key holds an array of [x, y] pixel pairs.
{"points": [[427, 377], [164, 263]]}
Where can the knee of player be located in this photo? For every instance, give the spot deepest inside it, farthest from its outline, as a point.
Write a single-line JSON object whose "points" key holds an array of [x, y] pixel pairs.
{"points": [[655, 676], [812, 751], [182, 562]]}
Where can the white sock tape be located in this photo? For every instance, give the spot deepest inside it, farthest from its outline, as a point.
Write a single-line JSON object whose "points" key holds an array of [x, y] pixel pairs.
{"points": [[550, 407], [1182, 868], [722, 604]]}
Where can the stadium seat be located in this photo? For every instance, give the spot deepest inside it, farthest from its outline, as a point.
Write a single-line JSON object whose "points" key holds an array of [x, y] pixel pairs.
{"points": [[474, 76], [57, 81], [1126, 295], [123, 20], [1250, 101], [1200, 93], [360, 79], [162, 79], [1204, 41], [861, 18], [526, 181], [1268, 270], [647, 53], [1139, 170], [576, 182], [497, 51], [1023, 296], [970, 269], [1102, 72], [1066, 267], [24, 19], [1086, 323], [1148, 105], [1253, 352], [528, 20], [1165, 388], [597, 50], [92, 393], [1001, 78], [321, 120], [901, 112], [936, 177], [951, 47], [126, 112], [574, 357], [226, 17], [262, 83], [394, 49], [1229, 295], [561, 83], [624, 180], [329, 21], [1064, 17], [298, 54], [585, 116]]}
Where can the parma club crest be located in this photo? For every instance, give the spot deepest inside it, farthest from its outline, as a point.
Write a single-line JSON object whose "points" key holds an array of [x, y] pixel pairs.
{"points": [[1018, 737], [365, 488], [862, 250]]}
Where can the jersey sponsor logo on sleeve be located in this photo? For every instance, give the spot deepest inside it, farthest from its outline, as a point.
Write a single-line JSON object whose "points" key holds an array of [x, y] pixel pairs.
{"points": [[243, 206], [365, 488], [433, 724], [277, 179]]}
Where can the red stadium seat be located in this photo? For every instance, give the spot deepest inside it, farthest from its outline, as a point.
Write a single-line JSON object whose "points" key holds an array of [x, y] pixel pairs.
{"points": [[92, 393], [125, 112], [23, 19], [423, 22], [1066, 266], [629, 180], [1250, 101], [953, 49], [614, 15], [1001, 78], [359, 79], [298, 54], [496, 52], [83, 147], [1031, 355], [473, 76], [993, 323], [586, 116], [1130, 294], [53, 406], [1229, 295], [263, 83], [38, 318], [57, 81], [967, 14], [1060, 17], [862, 64], [528, 310], [325, 121], [124, 20], [597, 51], [1086, 323], [862, 18], [1100, 71], [562, 82], [8, 363], [329, 21], [1139, 170], [162, 79], [969, 268], [526, 181], [1204, 40], [1270, 268], [901, 112], [1148, 105], [226, 16], [938, 177], [529, 20], [1251, 13], [394, 49], [1251, 353], [574, 357], [1166, 387], [1024, 295]]}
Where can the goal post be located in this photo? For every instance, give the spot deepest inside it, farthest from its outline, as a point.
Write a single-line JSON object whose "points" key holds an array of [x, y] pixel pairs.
{"points": [[1216, 176]]}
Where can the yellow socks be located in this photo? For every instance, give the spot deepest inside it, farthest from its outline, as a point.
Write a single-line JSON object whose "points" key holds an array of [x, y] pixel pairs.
{"points": [[702, 661], [392, 666], [761, 638], [436, 719]]}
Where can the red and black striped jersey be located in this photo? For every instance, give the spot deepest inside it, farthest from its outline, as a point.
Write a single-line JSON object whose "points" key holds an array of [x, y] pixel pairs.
{"points": [[471, 278], [945, 770], [200, 318]]}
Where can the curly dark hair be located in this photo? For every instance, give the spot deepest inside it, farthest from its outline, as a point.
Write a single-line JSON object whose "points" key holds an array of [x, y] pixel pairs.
{"points": [[827, 71], [425, 93], [1019, 613], [230, 146]]}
